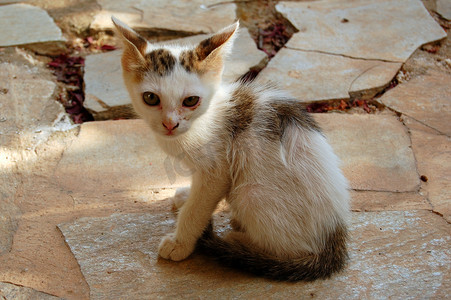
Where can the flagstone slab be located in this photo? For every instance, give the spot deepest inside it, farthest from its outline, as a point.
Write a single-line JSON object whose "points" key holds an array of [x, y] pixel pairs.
{"points": [[118, 156], [196, 16], [388, 30], [425, 98], [375, 151], [311, 76], [383, 201], [392, 255], [433, 153], [11, 291], [105, 90], [24, 24], [444, 8]]}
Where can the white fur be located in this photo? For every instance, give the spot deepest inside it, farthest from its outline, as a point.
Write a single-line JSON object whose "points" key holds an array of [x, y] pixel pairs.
{"points": [[287, 195]]}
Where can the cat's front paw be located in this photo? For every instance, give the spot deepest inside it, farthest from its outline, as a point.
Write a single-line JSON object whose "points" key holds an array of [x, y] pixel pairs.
{"points": [[180, 197], [171, 249]]}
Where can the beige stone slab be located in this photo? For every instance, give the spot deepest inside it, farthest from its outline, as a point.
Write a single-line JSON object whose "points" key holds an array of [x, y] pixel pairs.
{"points": [[24, 24], [392, 255], [433, 153], [425, 98], [189, 16], [11, 291], [383, 201], [118, 156], [444, 8], [28, 116], [375, 151], [311, 76], [104, 87], [383, 29]]}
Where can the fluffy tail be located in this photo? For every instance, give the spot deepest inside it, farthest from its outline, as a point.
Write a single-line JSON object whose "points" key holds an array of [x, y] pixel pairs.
{"points": [[309, 267]]}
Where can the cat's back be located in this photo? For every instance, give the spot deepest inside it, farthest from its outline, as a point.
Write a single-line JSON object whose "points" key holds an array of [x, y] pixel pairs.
{"points": [[263, 110]]}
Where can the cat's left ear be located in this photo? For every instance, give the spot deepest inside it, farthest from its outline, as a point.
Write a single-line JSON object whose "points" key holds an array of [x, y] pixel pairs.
{"points": [[134, 46], [212, 51]]}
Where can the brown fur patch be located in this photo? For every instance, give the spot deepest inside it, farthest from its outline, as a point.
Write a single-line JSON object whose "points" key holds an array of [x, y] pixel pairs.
{"points": [[290, 112], [205, 57], [243, 109], [160, 61], [189, 61]]}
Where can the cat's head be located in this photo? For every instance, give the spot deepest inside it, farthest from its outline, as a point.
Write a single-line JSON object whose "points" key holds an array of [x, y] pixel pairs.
{"points": [[171, 86]]}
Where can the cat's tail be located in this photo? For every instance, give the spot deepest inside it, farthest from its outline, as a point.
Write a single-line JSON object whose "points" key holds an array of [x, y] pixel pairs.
{"points": [[308, 267]]}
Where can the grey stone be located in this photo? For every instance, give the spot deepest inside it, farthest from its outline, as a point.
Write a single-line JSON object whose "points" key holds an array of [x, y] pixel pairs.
{"points": [[24, 24], [392, 254], [311, 76], [11, 291], [105, 90], [425, 98], [381, 29], [444, 8], [375, 151], [196, 16], [104, 86], [433, 153], [119, 155]]}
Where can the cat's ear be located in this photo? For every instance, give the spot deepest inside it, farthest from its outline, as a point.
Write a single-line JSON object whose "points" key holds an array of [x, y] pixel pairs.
{"points": [[134, 46], [212, 51]]}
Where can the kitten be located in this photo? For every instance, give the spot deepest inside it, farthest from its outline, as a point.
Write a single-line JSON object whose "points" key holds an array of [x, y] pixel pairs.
{"points": [[246, 142]]}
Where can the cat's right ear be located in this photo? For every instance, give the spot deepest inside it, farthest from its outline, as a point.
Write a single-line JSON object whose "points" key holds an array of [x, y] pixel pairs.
{"points": [[134, 46]]}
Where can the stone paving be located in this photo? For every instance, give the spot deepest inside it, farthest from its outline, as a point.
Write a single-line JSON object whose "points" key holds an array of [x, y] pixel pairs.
{"points": [[83, 207]]}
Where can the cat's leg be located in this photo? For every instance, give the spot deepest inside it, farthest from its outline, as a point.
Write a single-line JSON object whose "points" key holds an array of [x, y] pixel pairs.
{"points": [[193, 217], [180, 197]]}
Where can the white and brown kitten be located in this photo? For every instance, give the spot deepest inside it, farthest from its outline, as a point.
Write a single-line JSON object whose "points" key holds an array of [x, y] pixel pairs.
{"points": [[246, 142]]}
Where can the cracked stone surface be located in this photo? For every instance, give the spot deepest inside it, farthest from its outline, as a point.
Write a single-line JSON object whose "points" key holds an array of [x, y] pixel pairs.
{"points": [[106, 184], [375, 151], [433, 153], [392, 254], [425, 98], [109, 153], [198, 16], [25, 24], [311, 76], [106, 93], [352, 28], [11, 291]]}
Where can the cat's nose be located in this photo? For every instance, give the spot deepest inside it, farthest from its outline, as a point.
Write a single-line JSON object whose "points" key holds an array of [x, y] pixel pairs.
{"points": [[170, 126]]}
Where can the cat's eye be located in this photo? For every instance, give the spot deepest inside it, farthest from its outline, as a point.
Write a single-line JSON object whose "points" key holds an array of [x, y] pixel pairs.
{"points": [[151, 99], [191, 101]]}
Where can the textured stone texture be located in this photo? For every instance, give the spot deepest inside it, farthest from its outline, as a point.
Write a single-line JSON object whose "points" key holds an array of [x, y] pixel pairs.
{"points": [[198, 15], [381, 201], [392, 254], [34, 131], [313, 76], [28, 114], [10, 291], [118, 155], [444, 8], [23, 24], [433, 154], [352, 28], [105, 90], [375, 151], [426, 98]]}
